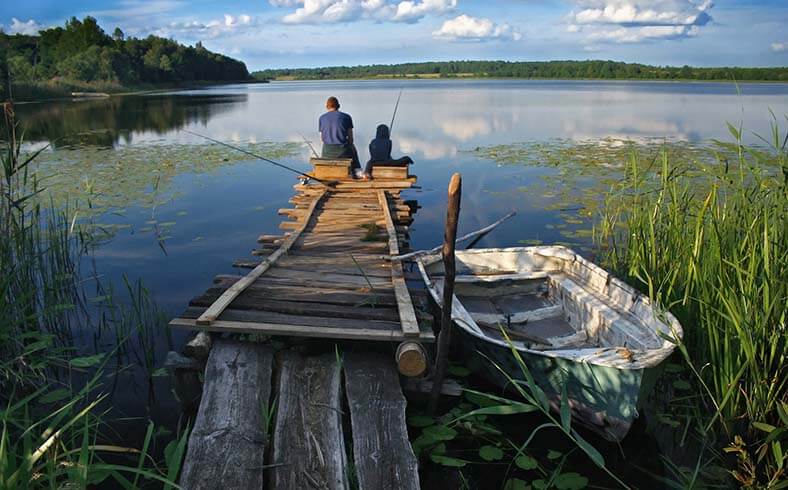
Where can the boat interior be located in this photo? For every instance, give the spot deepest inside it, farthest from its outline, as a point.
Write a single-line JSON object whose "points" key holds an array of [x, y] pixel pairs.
{"points": [[553, 308]]}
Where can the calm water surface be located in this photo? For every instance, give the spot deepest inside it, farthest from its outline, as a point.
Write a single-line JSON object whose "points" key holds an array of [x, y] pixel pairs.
{"points": [[217, 214]]}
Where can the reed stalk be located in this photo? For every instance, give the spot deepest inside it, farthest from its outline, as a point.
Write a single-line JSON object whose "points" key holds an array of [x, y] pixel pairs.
{"points": [[53, 419], [710, 243]]}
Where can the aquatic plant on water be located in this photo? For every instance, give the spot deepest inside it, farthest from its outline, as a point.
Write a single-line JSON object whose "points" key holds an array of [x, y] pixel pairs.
{"points": [[468, 435]]}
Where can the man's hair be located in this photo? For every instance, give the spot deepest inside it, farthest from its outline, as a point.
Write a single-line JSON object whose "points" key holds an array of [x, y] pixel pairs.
{"points": [[332, 103]]}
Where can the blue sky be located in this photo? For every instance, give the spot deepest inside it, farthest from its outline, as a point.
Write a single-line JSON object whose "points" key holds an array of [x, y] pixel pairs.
{"points": [[298, 33]]}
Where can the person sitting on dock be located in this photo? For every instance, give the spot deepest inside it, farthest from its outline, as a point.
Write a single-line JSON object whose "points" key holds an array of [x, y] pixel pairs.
{"points": [[336, 133], [380, 152]]}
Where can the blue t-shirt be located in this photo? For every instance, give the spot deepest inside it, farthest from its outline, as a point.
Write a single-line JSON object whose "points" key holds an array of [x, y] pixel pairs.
{"points": [[334, 126]]}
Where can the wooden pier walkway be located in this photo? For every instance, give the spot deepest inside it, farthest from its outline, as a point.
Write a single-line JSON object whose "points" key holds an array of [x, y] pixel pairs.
{"points": [[296, 417]]}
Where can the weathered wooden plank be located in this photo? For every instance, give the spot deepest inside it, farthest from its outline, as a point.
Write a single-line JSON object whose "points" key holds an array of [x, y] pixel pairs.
{"points": [[382, 453], [315, 295], [253, 316], [371, 248], [360, 281], [255, 302], [393, 335], [308, 443], [407, 315], [265, 280], [216, 309], [227, 443]]}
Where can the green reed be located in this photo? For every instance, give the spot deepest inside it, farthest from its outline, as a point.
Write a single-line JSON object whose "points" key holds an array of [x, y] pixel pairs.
{"points": [[710, 243], [53, 418]]}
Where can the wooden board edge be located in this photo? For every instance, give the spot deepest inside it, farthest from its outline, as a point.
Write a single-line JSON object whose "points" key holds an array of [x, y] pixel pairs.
{"points": [[301, 330], [407, 314]]}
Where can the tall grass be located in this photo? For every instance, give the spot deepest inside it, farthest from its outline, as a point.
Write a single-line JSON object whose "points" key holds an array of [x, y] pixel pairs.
{"points": [[53, 418], [710, 243]]}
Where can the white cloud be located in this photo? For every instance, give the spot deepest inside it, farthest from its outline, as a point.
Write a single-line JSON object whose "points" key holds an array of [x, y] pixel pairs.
{"points": [[465, 27], [779, 47], [635, 21], [30, 27], [641, 34], [409, 11], [229, 24], [334, 11]]}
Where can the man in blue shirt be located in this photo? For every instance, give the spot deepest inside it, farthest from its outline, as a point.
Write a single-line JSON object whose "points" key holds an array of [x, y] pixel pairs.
{"points": [[336, 132]]}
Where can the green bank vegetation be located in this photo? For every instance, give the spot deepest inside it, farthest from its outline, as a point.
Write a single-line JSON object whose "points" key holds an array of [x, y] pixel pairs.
{"points": [[80, 56], [713, 248], [593, 69], [703, 229], [55, 412]]}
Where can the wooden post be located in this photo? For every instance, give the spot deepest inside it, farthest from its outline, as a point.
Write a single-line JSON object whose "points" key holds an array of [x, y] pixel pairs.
{"points": [[444, 338]]}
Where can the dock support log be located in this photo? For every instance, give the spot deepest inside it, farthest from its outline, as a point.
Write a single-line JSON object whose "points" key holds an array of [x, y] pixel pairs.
{"points": [[382, 452], [227, 443], [444, 338], [411, 359]]}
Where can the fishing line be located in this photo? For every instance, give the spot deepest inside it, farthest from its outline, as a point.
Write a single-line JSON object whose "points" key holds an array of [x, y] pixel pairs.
{"points": [[257, 156], [391, 126]]}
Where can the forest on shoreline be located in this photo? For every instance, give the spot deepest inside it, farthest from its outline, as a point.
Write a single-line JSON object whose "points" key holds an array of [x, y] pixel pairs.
{"points": [[81, 56], [593, 69]]}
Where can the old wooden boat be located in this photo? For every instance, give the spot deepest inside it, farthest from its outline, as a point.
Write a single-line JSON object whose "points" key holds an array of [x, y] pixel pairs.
{"points": [[572, 322]]}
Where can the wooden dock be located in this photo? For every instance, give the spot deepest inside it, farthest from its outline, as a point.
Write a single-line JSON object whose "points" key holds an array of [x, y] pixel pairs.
{"points": [[296, 417]]}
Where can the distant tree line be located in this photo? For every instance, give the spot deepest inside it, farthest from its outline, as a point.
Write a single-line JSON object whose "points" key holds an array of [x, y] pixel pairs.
{"points": [[82, 51], [596, 69]]}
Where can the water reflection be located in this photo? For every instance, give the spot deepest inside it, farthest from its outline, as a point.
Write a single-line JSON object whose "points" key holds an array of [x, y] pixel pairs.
{"points": [[435, 118], [107, 122]]}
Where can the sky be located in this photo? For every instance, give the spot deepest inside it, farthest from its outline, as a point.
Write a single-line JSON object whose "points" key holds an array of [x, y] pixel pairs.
{"points": [[309, 33]]}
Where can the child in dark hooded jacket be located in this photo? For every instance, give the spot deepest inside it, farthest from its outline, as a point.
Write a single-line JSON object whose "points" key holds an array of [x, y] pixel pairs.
{"points": [[380, 152]]}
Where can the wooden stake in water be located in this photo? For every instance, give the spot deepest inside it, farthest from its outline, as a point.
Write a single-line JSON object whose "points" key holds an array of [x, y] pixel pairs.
{"points": [[444, 338]]}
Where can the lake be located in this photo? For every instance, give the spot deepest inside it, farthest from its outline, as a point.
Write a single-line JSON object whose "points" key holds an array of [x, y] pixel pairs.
{"points": [[175, 225]]}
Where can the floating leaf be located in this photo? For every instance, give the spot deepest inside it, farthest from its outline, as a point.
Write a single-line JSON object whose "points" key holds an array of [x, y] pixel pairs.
{"points": [[570, 481], [515, 484], [440, 432], [539, 484], [681, 384], [552, 454], [490, 453], [438, 448], [526, 462]]}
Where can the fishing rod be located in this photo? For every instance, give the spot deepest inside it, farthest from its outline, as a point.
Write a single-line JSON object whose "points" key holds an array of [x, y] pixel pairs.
{"points": [[310, 145], [257, 156], [391, 126]]}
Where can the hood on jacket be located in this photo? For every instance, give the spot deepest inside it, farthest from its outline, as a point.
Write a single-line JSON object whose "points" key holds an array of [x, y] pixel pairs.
{"points": [[382, 132]]}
